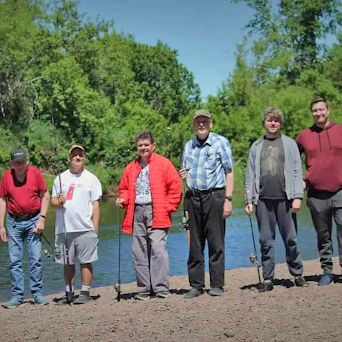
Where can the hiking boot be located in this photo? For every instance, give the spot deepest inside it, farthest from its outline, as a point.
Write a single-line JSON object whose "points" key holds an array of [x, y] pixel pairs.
{"points": [[13, 302], [40, 300], [163, 294], [325, 279], [216, 291], [83, 298], [266, 286], [300, 282], [67, 299], [142, 296], [193, 293]]}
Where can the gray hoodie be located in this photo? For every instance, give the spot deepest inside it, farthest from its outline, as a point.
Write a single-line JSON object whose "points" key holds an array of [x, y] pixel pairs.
{"points": [[293, 170]]}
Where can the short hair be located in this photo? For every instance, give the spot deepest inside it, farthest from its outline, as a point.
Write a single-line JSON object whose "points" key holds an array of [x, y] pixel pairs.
{"points": [[318, 99], [144, 135], [274, 113]]}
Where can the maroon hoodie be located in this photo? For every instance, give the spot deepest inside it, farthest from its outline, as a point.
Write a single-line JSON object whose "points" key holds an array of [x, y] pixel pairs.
{"points": [[323, 152]]}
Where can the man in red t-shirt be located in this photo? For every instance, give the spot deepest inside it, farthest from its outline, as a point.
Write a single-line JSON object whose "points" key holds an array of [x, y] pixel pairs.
{"points": [[24, 193], [322, 145]]}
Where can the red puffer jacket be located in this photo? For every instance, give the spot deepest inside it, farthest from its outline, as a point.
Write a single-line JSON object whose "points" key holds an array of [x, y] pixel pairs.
{"points": [[166, 191]]}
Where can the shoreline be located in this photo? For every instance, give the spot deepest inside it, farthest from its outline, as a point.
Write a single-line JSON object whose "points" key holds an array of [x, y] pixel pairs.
{"points": [[287, 313]]}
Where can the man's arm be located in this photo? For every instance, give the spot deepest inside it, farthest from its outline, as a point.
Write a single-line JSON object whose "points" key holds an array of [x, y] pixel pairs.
{"points": [[58, 201], [3, 234], [249, 182], [122, 200], [45, 198], [228, 205], [173, 187], [96, 215], [298, 181]]}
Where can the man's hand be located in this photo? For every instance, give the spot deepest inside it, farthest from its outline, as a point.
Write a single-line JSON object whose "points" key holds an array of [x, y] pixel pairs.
{"points": [[296, 205], [3, 234], [39, 226], [120, 202], [227, 208], [182, 173], [61, 198], [249, 209]]}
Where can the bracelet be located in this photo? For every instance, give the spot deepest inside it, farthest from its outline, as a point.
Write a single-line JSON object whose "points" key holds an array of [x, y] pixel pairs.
{"points": [[43, 216]]}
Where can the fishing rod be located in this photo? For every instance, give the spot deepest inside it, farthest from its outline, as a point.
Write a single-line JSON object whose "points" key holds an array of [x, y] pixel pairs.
{"points": [[253, 257], [185, 219], [65, 245], [117, 286], [52, 250], [47, 252]]}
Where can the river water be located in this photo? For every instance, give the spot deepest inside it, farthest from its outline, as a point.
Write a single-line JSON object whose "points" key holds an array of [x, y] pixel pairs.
{"points": [[238, 247]]}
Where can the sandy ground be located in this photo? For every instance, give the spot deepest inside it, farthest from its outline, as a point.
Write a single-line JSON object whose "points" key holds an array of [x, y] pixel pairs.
{"points": [[287, 313]]}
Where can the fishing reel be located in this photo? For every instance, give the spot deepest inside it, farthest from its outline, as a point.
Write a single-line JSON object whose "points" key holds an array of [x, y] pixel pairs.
{"points": [[117, 287], [253, 258], [47, 253], [184, 223], [56, 251]]}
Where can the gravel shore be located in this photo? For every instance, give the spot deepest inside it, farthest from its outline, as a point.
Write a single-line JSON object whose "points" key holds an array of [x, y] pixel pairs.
{"points": [[287, 313]]}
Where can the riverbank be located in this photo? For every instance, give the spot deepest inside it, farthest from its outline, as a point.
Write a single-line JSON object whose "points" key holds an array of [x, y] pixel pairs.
{"points": [[286, 314]]}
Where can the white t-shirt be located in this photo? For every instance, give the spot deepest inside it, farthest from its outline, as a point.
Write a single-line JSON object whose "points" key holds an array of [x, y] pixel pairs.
{"points": [[143, 190], [80, 190]]}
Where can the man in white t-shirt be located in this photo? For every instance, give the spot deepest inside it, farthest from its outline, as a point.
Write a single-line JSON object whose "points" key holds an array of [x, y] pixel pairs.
{"points": [[76, 194]]}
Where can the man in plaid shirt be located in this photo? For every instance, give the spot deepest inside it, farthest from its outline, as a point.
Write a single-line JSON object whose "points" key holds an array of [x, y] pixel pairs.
{"points": [[207, 166]]}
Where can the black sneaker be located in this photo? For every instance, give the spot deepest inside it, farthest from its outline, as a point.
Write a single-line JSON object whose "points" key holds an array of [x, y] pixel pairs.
{"points": [[83, 298], [68, 299], [193, 293], [266, 286], [300, 282]]}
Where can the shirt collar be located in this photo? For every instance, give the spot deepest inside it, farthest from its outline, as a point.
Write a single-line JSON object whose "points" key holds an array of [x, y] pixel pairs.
{"points": [[208, 141]]}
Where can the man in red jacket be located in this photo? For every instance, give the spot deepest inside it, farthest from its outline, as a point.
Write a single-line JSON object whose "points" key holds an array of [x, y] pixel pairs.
{"points": [[322, 145], [151, 190]]}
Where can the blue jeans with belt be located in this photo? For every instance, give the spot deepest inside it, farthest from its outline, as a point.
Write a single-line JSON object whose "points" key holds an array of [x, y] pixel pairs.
{"points": [[18, 231]]}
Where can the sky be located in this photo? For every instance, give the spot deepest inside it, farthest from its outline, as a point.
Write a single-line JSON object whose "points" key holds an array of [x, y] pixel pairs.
{"points": [[204, 32]]}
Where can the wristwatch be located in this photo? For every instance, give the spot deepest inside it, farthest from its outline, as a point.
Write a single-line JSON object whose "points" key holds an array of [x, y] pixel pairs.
{"points": [[229, 198]]}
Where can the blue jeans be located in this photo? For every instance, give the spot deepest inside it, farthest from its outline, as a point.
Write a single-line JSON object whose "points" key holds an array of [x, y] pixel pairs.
{"points": [[17, 233]]}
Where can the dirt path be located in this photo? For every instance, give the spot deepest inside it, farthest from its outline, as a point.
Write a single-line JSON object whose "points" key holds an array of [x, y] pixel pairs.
{"points": [[286, 314]]}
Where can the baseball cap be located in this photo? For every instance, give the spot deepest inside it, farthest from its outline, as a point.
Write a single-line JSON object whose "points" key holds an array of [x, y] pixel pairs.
{"points": [[76, 146], [201, 112], [18, 154]]}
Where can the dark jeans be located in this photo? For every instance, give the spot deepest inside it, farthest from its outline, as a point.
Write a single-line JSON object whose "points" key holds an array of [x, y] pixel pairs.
{"points": [[269, 213], [324, 206], [206, 223]]}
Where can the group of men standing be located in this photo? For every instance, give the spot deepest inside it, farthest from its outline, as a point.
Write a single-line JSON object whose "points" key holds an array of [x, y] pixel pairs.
{"points": [[75, 196], [274, 184], [150, 190]]}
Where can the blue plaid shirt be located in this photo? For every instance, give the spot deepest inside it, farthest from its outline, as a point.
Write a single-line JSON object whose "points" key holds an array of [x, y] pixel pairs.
{"points": [[206, 165]]}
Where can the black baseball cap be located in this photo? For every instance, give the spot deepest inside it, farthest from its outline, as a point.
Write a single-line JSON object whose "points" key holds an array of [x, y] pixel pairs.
{"points": [[18, 154]]}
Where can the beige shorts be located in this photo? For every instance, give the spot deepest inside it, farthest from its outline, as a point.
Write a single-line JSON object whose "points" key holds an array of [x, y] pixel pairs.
{"points": [[82, 247]]}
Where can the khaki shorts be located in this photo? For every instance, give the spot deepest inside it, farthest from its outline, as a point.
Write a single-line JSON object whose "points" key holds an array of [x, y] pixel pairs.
{"points": [[82, 247]]}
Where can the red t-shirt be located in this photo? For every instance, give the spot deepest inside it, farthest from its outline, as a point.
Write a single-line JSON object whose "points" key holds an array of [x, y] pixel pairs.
{"points": [[22, 199]]}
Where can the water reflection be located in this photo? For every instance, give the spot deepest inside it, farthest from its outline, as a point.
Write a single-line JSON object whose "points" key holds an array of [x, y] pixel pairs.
{"points": [[238, 247]]}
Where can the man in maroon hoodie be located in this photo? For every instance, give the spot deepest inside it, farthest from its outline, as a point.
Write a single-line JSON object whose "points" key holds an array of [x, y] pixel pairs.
{"points": [[322, 145]]}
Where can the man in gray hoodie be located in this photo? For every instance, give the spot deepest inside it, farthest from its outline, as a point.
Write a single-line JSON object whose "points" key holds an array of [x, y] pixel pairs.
{"points": [[274, 186]]}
